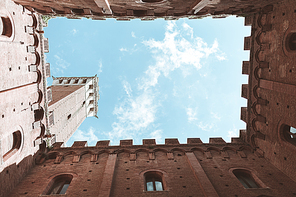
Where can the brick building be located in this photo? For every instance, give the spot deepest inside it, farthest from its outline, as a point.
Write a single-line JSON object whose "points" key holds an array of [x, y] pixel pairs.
{"points": [[258, 163]]}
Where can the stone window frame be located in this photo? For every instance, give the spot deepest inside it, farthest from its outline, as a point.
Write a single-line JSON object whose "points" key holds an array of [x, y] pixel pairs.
{"points": [[251, 173], [286, 134], [158, 173], [6, 15], [57, 183], [288, 38], [16, 145]]}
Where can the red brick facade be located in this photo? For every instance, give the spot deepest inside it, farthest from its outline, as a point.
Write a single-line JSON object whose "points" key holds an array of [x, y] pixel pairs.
{"points": [[193, 169], [261, 162]]}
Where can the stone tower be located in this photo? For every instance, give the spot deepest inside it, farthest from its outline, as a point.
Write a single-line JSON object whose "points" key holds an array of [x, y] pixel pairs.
{"points": [[72, 100]]}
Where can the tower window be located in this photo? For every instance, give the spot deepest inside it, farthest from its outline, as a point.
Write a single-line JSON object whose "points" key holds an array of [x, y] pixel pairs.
{"points": [[84, 81], [76, 81], [5, 26], [60, 81], [68, 81], [291, 42], [15, 141], [246, 178], [91, 86], [153, 181], [289, 134], [59, 184], [38, 114], [69, 116]]}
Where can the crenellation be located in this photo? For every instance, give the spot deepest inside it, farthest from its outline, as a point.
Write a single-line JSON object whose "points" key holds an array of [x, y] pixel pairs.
{"points": [[78, 144], [217, 140], [171, 141]]}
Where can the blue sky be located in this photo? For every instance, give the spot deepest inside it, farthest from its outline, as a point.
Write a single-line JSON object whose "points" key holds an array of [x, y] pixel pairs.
{"points": [[158, 79]]}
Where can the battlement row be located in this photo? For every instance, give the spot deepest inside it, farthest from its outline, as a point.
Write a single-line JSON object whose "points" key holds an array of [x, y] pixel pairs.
{"points": [[152, 142]]}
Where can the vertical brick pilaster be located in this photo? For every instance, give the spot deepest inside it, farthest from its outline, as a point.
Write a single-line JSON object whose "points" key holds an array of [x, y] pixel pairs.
{"points": [[108, 176], [201, 177]]}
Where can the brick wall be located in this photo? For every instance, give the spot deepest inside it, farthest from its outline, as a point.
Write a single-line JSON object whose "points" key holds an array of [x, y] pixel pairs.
{"points": [[199, 169]]}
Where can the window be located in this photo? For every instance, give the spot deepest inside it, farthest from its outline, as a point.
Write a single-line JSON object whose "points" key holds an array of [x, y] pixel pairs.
{"points": [[5, 26], [84, 81], [153, 181], [59, 184], [13, 144], [76, 81], [291, 39], [69, 116], [289, 134], [246, 178], [38, 114]]}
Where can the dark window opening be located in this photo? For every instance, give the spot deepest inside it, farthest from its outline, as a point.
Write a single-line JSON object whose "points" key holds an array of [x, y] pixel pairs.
{"points": [[91, 86], [16, 144], [291, 41], [69, 116], [68, 81], [140, 12], [60, 184], [38, 114], [5, 26], [60, 81], [76, 81], [153, 181], [92, 109], [78, 11], [84, 81], [91, 94], [246, 178], [91, 101], [83, 103], [289, 134]]}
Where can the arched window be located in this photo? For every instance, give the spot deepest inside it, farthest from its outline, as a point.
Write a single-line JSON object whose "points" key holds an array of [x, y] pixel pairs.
{"points": [[13, 144], [246, 178], [291, 41], [5, 26], [289, 134], [153, 181], [59, 184]]}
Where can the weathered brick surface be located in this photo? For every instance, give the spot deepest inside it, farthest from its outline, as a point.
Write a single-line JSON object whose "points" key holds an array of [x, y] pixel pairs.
{"points": [[272, 85], [146, 10], [190, 173]]}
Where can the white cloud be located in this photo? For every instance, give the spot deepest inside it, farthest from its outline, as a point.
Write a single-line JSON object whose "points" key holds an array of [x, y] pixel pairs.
{"points": [[188, 29], [191, 114], [127, 88], [100, 65], [215, 116], [137, 111], [232, 133], [205, 127], [133, 115], [157, 135], [133, 34], [174, 51], [74, 31], [61, 64], [122, 49], [221, 57], [88, 136]]}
